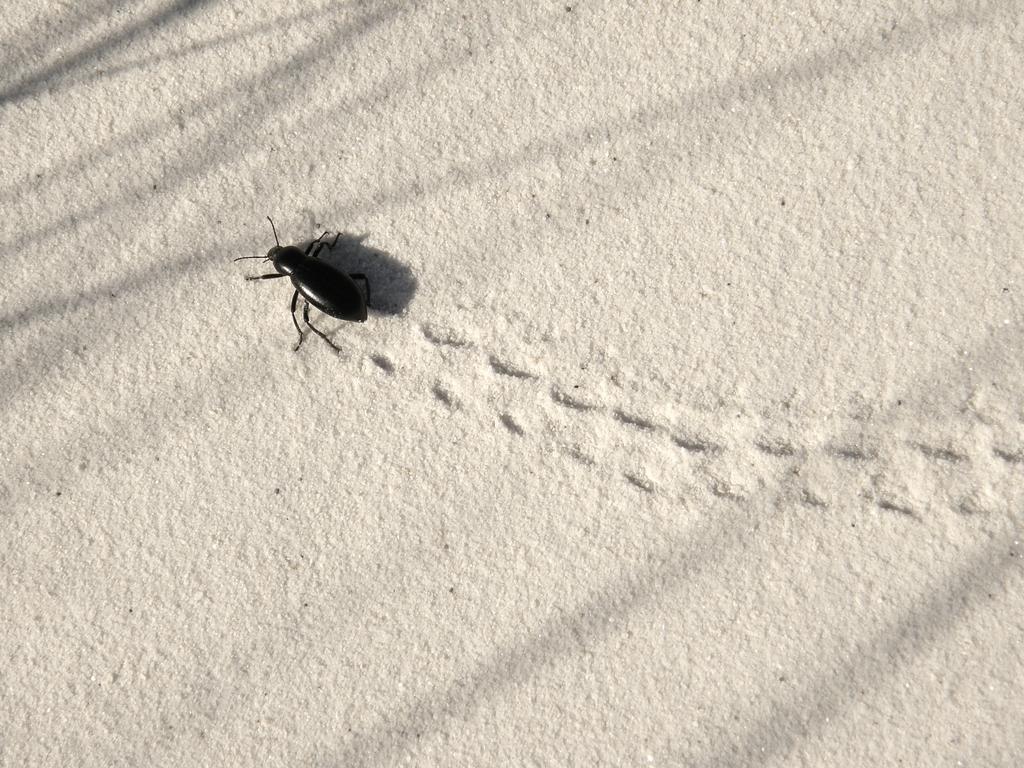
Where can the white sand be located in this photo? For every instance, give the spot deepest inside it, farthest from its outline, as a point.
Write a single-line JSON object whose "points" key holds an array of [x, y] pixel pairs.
{"points": [[689, 429]]}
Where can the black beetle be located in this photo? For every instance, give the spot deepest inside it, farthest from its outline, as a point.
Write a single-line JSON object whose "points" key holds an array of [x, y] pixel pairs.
{"points": [[330, 290]]}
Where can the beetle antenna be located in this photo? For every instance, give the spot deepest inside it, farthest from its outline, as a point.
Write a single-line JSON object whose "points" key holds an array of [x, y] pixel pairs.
{"points": [[248, 257], [275, 230]]}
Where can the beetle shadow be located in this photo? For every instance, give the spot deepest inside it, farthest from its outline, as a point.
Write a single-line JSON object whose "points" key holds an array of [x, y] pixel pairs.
{"points": [[392, 283]]}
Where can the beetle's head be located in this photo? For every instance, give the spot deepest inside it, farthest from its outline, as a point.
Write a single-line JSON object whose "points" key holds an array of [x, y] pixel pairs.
{"points": [[286, 258]]}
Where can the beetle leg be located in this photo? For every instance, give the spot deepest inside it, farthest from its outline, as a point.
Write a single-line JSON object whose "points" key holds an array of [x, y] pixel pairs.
{"points": [[266, 277], [310, 246], [317, 331], [323, 245], [295, 301]]}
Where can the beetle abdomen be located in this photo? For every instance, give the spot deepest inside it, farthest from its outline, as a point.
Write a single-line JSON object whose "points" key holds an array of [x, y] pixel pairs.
{"points": [[330, 290]]}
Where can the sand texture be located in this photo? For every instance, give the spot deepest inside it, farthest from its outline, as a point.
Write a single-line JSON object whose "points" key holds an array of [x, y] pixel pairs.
{"points": [[687, 427]]}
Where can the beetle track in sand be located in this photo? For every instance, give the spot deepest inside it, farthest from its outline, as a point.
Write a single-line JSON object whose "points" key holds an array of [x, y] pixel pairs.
{"points": [[865, 457]]}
